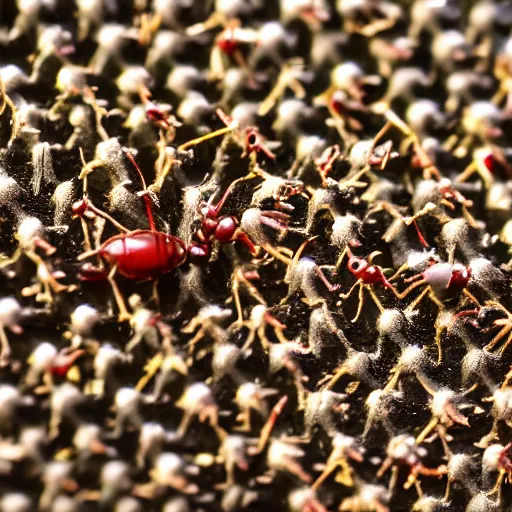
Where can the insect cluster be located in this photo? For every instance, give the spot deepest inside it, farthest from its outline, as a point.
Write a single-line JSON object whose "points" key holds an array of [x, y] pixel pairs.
{"points": [[255, 255]]}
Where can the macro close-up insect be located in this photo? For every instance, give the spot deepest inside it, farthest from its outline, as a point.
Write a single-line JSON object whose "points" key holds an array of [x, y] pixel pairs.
{"points": [[255, 255]]}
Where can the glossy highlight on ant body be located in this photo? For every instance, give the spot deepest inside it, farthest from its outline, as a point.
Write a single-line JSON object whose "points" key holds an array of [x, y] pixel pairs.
{"points": [[141, 255], [367, 276], [443, 281], [213, 228], [147, 254]]}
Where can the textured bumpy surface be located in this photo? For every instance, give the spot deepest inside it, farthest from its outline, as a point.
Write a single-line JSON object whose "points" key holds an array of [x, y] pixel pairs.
{"points": [[337, 334]]}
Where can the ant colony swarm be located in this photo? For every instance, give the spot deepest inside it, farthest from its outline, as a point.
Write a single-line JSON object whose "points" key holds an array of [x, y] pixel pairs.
{"points": [[255, 255]]}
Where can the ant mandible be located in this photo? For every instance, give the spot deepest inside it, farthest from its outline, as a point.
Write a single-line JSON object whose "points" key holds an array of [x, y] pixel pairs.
{"points": [[141, 255]]}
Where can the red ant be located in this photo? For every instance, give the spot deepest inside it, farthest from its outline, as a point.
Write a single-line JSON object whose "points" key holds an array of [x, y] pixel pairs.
{"points": [[504, 466], [253, 141], [145, 255], [142, 254], [157, 114], [214, 228], [443, 281], [367, 275], [249, 137]]}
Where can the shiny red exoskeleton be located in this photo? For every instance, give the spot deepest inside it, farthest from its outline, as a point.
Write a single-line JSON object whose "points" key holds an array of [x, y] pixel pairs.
{"points": [[214, 228], [369, 274], [141, 255], [446, 279], [441, 281]]}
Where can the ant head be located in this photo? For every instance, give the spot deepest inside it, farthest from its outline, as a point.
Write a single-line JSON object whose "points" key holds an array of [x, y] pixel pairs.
{"points": [[208, 211], [357, 265], [80, 207], [460, 276]]}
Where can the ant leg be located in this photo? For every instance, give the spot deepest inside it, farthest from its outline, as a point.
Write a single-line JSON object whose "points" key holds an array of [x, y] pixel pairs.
{"points": [[502, 350], [269, 425], [89, 167], [393, 380], [360, 305], [89, 97], [285, 79], [336, 377], [5, 353], [277, 254], [376, 299], [432, 424], [196, 339], [384, 467], [149, 25], [265, 343], [87, 239], [429, 207], [468, 294], [215, 20], [417, 484], [429, 169], [353, 181], [184, 424], [6, 261], [402, 295], [412, 306], [344, 476], [345, 296], [278, 328], [439, 335], [497, 485], [236, 296], [123, 311], [471, 220], [323, 278], [151, 368], [341, 257], [163, 173], [467, 172], [240, 236], [244, 420], [286, 251], [434, 299], [155, 295], [326, 473], [250, 339], [106, 216], [48, 278], [462, 149], [217, 133], [5, 100], [387, 126], [280, 336], [403, 268]]}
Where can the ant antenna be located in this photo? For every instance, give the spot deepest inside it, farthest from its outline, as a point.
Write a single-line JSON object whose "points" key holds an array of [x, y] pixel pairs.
{"points": [[231, 126], [132, 160], [145, 193]]}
